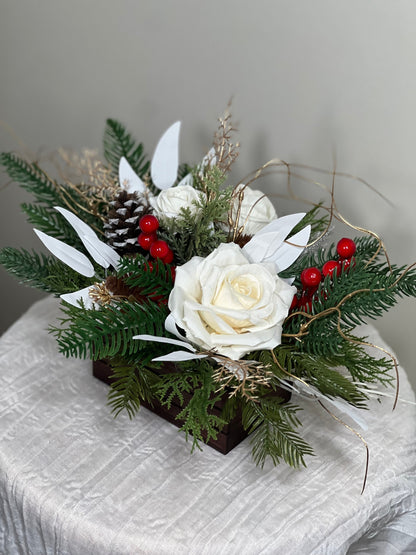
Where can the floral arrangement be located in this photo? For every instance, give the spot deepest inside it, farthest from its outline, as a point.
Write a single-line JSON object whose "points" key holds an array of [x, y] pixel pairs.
{"points": [[165, 265]]}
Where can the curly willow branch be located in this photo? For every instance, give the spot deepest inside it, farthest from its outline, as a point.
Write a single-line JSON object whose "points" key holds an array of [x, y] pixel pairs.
{"points": [[339, 420]]}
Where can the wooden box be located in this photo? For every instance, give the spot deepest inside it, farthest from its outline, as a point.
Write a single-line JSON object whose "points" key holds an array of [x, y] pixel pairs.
{"points": [[230, 435]]}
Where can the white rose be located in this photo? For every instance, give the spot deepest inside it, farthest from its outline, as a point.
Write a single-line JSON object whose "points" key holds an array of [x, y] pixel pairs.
{"points": [[256, 210], [169, 202], [225, 303]]}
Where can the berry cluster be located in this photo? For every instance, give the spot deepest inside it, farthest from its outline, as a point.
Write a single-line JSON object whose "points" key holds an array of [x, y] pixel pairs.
{"points": [[148, 240], [312, 277]]}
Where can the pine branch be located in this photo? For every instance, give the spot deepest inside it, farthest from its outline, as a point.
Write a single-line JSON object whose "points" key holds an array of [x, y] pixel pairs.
{"points": [[318, 223], [272, 428], [108, 332], [365, 290], [117, 143], [31, 178], [52, 223], [41, 271], [151, 280], [316, 372], [367, 247]]}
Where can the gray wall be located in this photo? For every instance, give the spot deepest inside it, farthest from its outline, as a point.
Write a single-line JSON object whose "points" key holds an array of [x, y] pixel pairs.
{"points": [[312, 82]]}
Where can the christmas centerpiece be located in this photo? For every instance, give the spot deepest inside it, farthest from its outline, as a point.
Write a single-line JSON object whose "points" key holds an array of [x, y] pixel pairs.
{"points": [[196, 299]]}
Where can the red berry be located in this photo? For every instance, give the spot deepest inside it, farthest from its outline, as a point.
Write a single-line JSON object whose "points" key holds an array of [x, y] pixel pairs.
{"points": [[305, 304], [346, 247], [146, 240], [159, 249], [348, 263], [310, 277], [295, 302], [331, 267], [168, 258], [149, 223]]}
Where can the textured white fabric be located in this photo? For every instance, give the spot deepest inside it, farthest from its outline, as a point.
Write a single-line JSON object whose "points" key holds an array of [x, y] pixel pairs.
{"points": [[74, 481]]}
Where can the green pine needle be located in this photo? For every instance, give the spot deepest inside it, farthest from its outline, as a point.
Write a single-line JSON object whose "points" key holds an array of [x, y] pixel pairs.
{"points": [[42, 272], [272, 428], [117, 143], [108, 332]]}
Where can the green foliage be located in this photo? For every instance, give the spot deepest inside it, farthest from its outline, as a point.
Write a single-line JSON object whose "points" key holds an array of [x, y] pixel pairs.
{"points": [[136, 272], [272, 427], [366, 290], [41, 271], [31, 178], [48, 193], [117, 143], [195, 390], [318, 223], [361, 366], [132, 384], [367, 247], [108, 332], [191, 234], [316, 372], [52, 223]]}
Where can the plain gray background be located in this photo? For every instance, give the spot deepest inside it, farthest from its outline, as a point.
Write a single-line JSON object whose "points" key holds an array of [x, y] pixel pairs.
{"points": [[312, 82]]}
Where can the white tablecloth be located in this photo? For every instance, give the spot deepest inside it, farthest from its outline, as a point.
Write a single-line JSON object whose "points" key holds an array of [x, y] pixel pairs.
{"points": [[75, 481]]}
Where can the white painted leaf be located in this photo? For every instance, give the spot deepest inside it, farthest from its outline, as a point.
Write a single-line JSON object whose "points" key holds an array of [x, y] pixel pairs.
{"points": [[285, 222], [80, 227], [170, 326], [187, 180], [159, 339], [103, 254], [68, 255], [128, 178], [177, 356], [266, 242], [288, 253], [76, 296], [165, 161]]}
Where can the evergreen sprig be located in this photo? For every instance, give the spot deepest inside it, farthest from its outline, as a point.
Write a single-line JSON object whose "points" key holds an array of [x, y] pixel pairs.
{"points": [[132, 384], [365, 290], [317, 221], [31, 178], [195, 390], [109, 331], [51, 222], [41, 271], [47, 194], [155, 279], [198, 232], [119, 142], [272, 427]]}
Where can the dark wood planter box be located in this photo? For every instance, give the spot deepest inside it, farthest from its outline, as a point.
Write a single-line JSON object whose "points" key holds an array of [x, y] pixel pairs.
{"points": [[230, 435]]}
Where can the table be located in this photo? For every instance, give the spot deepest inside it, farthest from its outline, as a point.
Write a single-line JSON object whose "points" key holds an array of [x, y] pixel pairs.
{"points": [[75, 481]]}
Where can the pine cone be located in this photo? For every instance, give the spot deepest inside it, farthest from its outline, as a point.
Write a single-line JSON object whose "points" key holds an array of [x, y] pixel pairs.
{"points": [[122, 226]]}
